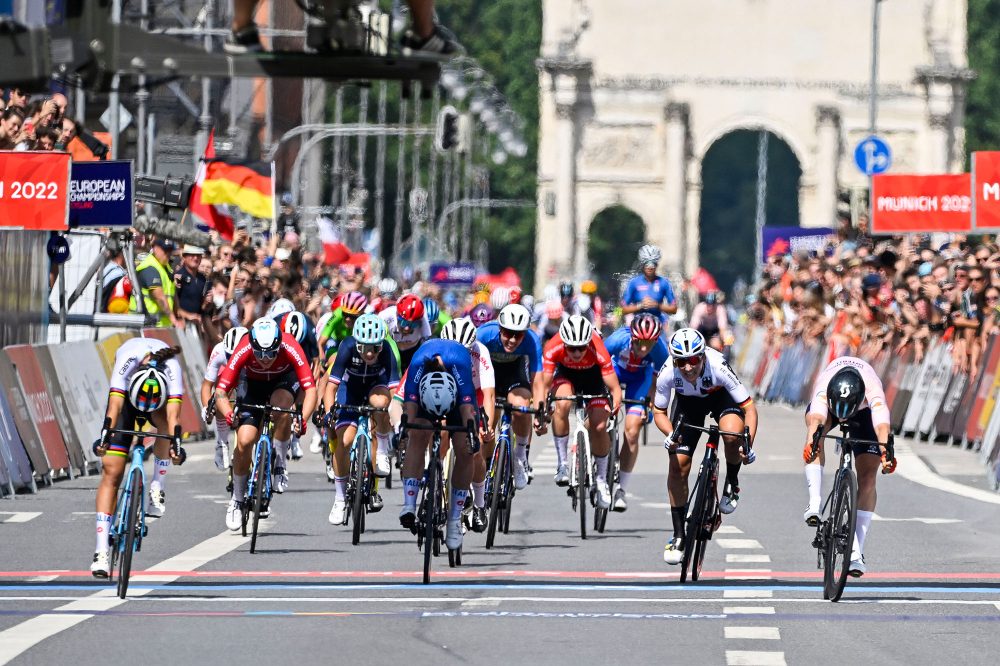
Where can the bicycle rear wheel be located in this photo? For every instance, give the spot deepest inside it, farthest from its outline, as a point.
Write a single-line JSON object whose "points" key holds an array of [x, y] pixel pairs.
{"points": [[694, 510], [260, 478], [842, 519], [133, 524], [497, 476], [582, 487], [430, 511], [358, 499]]}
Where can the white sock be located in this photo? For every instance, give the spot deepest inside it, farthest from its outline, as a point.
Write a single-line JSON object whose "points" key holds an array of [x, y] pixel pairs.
{"points": [[814, 481], [160, 468], [281, 451], [623, 478], [602, 467], [521, 448], [382, 442], [240, 486], [562, 444], [479, 494], [458, 498], [860, 533], [340, 487], [410, 489], [221, 431], [103, 530]]}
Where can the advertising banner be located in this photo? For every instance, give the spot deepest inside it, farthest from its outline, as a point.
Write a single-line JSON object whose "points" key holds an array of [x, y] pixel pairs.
{"points": [[921, 204], [777, 241], [12, 448], [78, 364], [26, 427], [986, 191], [456, 274], [34, 190], [77, 442], [40, 405], [101, 194]]}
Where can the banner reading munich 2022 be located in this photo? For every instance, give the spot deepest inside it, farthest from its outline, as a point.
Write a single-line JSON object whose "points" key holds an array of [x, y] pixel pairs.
{"points": [[921, 204], [101, 194], [34, 190]]}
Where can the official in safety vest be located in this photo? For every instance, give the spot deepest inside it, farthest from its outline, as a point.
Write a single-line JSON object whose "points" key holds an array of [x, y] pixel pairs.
{"points": [[156, 283]]}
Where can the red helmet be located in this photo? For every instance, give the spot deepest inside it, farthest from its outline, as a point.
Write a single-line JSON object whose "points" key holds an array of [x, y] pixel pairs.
{"points": [[353, 303], [515, 294], [409, 308], [645, 327]]}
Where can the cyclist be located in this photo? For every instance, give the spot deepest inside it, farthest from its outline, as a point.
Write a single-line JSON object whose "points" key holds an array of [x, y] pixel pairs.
{"points": [[705, 385], [577, 362], [364, 373], [280, 307], [550, 317], [516, 354], [439, 388], [407, 324], [351, 306], [387, 292], [710, 319], [500, 298], [637, 353], [481, 314], [849, 392], [146, 381], [435, 316], [649, 292], [275, 370], [216, 360], [594, 310], [300, 327]]}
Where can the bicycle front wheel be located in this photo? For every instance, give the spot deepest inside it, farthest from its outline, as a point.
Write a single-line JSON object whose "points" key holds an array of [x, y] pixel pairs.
{"points": [[497, 477], [260, 478], [133, 525], [843, 518], [430, 512], [358, 500], [710, 506], [582, 486]]}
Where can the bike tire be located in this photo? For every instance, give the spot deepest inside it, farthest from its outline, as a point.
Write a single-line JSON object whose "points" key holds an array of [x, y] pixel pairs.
{"points": [[581, 483], [499, 456], [358, 501], [133, 525], [842, 524], [693, 512], [709, 507], [258, 494], [508, 491], [430, 518]]}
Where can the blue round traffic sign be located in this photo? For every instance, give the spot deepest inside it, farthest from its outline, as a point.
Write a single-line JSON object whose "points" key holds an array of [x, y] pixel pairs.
{"points": [[872, 156]]}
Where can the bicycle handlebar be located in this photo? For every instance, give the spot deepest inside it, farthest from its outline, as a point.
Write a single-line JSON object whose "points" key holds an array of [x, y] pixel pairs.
{"points": [[177, 451], [890, 448], [360, 409], [503, 404]]}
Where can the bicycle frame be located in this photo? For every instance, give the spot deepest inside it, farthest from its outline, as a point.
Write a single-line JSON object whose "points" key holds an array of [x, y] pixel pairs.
{"points": [[118, 527]]}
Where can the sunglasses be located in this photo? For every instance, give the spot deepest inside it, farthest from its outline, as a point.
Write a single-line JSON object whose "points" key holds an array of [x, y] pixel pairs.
{"points": [[993, 298], [405, 323], [686, 362], [511, 334], [575, 350], [265, 355], [369, 349]]}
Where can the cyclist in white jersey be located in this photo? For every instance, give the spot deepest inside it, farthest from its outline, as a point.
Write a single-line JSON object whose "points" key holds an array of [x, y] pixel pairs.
{"points": [[408, 327], [705, 385], [849, 391], [216, 361]]}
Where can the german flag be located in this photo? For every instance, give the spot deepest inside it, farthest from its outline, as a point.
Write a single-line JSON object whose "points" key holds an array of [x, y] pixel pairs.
{"points": [[246, 185]]}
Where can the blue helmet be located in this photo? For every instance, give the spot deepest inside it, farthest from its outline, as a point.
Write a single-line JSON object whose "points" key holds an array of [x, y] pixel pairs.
{"points": [[432, 310], [369, 329]]}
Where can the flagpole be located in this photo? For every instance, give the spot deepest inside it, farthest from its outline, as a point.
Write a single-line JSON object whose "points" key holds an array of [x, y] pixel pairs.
{"points": [[274, 204]]}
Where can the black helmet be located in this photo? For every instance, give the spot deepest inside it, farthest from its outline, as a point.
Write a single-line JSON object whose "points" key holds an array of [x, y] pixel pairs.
{"points": [[565, 289], [845, 392]]}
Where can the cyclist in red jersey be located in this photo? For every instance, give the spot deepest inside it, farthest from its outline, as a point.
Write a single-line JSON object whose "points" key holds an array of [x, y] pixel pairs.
{"points": [[577, 362], [274, 369]]}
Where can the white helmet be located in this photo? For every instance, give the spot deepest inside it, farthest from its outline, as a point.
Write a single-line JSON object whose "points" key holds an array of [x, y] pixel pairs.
{"points": [[460, 329], [685, 343], [500, 298], [232, 338], [295, 326], [438, 392], [649, 254], [576, 331], [280, 307], [147, 389], [387, 286], [514, 317]]}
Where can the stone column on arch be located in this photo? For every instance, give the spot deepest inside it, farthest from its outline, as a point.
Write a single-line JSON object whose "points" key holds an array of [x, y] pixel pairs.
{"points": [[567, 255], [672, 237], [692, 213], [827, 159]]}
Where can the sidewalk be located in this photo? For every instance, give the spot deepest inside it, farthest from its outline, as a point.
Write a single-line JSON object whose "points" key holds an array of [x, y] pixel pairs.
{"points": [[952, 462]]}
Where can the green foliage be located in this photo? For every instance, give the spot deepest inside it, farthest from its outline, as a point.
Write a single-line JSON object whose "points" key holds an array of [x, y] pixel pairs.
{"points": [[982, 122]]}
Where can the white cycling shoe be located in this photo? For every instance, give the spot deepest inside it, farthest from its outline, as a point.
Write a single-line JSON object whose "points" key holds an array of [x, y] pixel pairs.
{"points": [[673, 553], [280, 480], [603, 494], [101, 567], [338, 514], [520, 475], [157, 501], [221, 456], [382, 467], [296, 449], [234, 515], [316, 445], [857, 568], [811, 516], [454, 534], [562, 475], [730, 501]]}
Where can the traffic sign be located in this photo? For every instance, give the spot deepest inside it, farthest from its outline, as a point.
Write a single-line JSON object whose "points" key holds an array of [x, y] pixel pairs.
{"points": [[873, 156]]}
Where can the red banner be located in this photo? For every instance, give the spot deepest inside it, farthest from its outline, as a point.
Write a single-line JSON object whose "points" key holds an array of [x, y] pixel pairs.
{"points": [[986, 191], [34, 190], [39, 404], [921, 204]]}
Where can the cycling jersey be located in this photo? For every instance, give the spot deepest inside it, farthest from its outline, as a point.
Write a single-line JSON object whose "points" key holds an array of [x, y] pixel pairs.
{"points": [[129, 358], [529, 349], [716, 375], [708, 319], [420, 331], [659, 290], [483, 376], [350, 366], [216, 360], [619, 346], [334, 330], [874, 393], [290, 358], [309, 345], [457, 362], [554, 357]]}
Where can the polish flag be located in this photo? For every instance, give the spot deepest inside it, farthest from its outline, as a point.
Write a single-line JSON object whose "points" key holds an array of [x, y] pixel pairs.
{"points": [[209, 214], [334, 251]]}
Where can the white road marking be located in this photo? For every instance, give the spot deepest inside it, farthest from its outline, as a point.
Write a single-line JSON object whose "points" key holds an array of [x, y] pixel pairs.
{"points": [[738, 543], [18, 516], [728, 529], [211, 497], [748, 658], [746, 558], [481, 602], [15, 640], [655, 505], [747, 594], [748, 610], [925, 521], [912, 468], [747, 574], [43, 579], [753, 633]]}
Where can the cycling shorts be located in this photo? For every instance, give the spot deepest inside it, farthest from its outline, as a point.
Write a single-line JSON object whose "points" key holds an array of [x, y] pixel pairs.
{"points": [[121, 445], [860, 426], [635, 386], [588, 381], [510, 375], [257, 392], [356, 392], [695, 409]]}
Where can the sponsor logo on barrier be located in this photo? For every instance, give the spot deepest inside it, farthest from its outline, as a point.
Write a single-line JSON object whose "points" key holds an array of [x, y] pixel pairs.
{"points": [[41, 408]]}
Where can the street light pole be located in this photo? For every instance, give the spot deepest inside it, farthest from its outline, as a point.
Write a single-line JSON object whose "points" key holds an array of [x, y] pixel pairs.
{"points": [[873, 86]]}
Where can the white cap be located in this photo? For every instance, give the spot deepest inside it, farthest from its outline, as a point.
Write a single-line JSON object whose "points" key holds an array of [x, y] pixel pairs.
{"points": [[192, 249]]}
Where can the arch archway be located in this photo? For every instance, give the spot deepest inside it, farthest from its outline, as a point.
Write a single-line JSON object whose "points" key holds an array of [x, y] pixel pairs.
{"points": [[616, 233], [729, 199]]}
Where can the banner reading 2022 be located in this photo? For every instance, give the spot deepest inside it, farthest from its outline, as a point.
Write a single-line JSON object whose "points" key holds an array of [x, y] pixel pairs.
{"points": [[34, 190], [101, 194]]}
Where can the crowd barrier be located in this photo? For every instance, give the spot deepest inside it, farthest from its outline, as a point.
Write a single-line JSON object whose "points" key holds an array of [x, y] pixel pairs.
{"points": [[928, 399], [53, 400]]}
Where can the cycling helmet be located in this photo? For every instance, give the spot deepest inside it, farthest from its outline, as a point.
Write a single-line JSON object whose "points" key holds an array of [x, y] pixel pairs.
{"points": [[481, 298], [147, 389], [460, 330], [588, 287], [686, 343], [553, 310], [369, 329], [514, 317], [265, 338], [432, 309], [280, 307], [410, 309], [353, 303], [500, 298], [516, 294], [583, 303], [438, 393], [576, 331], [232, 338], [649, 254], [645, 327], [481, 314], [387, 286], [528, 301], [296, 326], [844, 393], [711, 298], [565, 289]]}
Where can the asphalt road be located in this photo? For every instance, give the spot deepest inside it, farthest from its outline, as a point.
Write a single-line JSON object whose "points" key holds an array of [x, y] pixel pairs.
{"points": [[307, 596]]}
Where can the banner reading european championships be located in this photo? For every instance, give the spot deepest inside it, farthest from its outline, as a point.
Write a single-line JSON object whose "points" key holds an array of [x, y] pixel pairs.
{"points": [[101, 194]]}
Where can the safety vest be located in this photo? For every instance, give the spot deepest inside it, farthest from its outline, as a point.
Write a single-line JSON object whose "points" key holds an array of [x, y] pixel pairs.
{"points": [[168, 290]]}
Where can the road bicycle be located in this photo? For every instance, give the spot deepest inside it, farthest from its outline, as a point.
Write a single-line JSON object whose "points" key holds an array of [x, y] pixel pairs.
{"points": [[432, 509], [702, 515], [500, 475], [258, 494], [834, 538], [582, 487], [361, 479], [616, 429], [128, 527]]}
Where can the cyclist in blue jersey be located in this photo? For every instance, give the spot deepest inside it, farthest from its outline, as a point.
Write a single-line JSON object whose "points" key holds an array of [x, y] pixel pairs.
{"points": [[637, 353], [649, 292], [516, 353], [439, 386], [365, 373]]}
